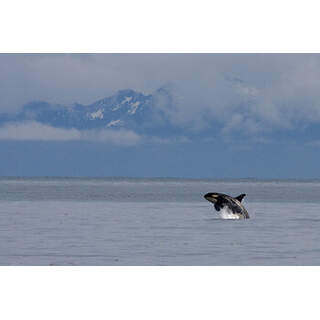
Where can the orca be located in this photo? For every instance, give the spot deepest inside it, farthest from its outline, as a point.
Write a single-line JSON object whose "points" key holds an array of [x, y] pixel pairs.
{"points": [[225, 203]]}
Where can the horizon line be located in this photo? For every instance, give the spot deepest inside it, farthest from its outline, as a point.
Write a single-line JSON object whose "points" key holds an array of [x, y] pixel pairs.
{"points": [[157, 178]]}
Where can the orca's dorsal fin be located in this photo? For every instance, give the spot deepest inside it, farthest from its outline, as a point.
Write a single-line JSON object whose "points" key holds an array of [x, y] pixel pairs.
{"points": [[239, 198]]}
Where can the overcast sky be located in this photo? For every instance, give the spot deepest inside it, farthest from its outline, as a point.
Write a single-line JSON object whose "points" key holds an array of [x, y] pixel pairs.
{"points": [[258, 90], [250, 94]]}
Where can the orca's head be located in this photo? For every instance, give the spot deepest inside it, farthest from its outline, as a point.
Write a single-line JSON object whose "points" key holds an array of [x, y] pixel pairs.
{"points": [[212, 196]]}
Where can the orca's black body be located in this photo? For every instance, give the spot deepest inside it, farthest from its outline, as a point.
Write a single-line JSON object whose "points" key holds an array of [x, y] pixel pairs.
{"points": [[233, 205]]}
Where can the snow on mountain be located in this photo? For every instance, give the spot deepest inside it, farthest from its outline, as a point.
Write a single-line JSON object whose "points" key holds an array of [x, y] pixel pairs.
{"points": [[126, 100], [96, 115], [134, 107], [114, 123], [116, 107]]}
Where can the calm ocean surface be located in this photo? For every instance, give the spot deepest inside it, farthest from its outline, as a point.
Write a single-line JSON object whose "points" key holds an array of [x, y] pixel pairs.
{"points": [[71, 221]]}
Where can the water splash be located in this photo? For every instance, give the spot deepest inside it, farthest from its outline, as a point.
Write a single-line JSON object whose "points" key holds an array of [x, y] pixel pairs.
{"points": [[226, 213]]}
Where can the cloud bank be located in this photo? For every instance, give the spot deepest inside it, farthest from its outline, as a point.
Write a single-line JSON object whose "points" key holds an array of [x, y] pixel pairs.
{"points": [[35, 131]]}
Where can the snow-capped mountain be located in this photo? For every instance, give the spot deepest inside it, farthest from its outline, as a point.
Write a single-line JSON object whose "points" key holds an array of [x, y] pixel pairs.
{"points": [[126, 109]]}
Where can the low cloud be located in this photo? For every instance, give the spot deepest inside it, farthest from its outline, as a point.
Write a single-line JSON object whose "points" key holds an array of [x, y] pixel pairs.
{"points": [[35, 131], [117, 137], [167, 141]]}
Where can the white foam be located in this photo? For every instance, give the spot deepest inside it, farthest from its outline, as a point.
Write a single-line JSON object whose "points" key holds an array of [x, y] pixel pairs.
{"points": [[226, 213]]}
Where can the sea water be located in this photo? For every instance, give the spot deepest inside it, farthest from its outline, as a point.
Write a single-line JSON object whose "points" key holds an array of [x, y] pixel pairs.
{"points": [[122, 221]]}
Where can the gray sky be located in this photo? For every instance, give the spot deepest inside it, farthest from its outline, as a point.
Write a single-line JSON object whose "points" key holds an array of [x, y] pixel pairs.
{"points": [[261, 91]]}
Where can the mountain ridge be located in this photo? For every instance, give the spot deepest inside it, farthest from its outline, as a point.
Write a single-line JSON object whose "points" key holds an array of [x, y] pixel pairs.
{"points": [[127, 109]]}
